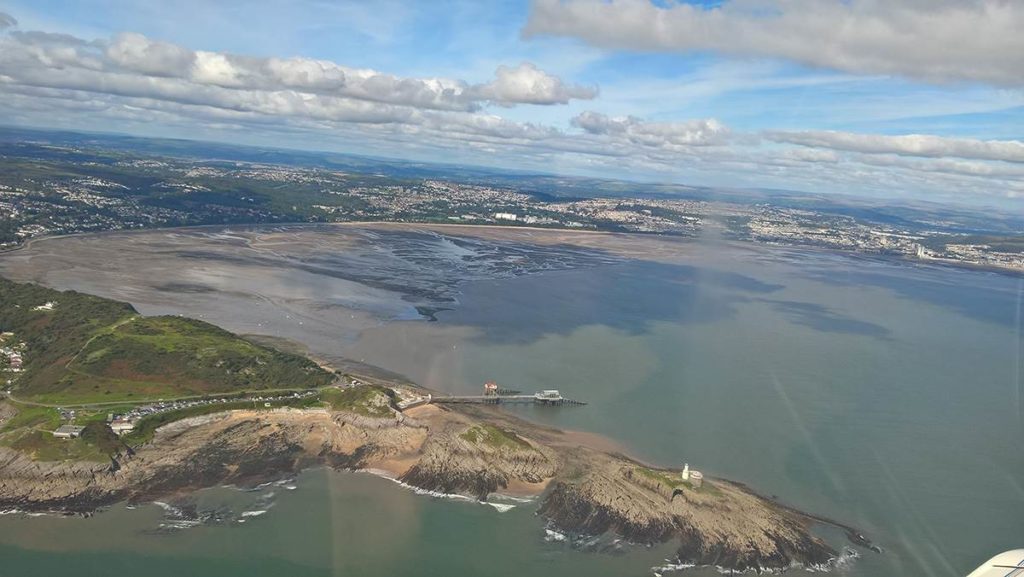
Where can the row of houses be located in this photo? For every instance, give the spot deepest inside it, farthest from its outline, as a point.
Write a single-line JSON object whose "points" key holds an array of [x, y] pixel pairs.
{"points": [[126, 422], [11, 352]]}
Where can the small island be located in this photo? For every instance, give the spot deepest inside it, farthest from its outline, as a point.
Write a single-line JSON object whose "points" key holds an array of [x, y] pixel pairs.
{"points": [[104, 405]]}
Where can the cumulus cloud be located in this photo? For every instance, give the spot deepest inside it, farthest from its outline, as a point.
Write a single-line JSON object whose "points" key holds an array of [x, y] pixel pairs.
{"points": [[130, 80], [933, 40], [701, 132], [132, 73], [922, 145], [7, 21], [489, 139], [528, 84], [137, 53], [133, 58]]}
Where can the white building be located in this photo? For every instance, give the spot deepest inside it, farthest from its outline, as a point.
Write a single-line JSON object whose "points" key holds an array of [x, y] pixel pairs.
{"points": [[548, 395], [122, 426], [68, 431], [505, 216], [694, 477]]}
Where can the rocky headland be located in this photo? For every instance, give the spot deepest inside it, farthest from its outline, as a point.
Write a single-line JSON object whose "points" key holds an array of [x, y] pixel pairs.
{"points": [[470, 450]]}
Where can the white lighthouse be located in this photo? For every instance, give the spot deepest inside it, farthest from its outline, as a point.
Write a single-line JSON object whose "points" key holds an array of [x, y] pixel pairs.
{"points": [[695, 478]]}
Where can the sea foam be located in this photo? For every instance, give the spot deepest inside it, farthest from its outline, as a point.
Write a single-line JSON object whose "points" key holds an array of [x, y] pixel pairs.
{"points": [[500, 507]]}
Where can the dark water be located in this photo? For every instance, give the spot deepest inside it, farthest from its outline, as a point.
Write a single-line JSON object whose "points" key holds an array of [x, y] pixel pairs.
{"points": [[883, 395]]}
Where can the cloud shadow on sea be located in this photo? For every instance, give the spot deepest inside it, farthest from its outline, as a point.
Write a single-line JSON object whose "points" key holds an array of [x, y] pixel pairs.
{"points": [[987, 297], [825, 319], [626, 296]]}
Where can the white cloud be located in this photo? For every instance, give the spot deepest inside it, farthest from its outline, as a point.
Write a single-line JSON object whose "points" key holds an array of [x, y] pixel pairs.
{"points": [[44, 50], [922, 145], [811, 155], [934, 40], [137, 53], [654, 134], [38, 54], [491, 140], [528, 84], [220, 70], [135, 83]]}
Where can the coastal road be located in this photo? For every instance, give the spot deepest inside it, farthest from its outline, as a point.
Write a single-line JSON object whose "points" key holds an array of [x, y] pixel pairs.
{"points": [[123, 402]]}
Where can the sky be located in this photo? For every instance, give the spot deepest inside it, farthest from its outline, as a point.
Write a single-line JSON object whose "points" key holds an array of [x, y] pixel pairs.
{"points": [[891, 98]]}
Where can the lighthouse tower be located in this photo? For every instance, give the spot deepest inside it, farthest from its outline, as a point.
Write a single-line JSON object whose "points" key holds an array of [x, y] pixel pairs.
{"points": [[695, 478]]}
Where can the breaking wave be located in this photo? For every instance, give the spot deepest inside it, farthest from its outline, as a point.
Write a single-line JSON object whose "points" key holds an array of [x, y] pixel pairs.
{"points": [[501, 507], [842, 560]]}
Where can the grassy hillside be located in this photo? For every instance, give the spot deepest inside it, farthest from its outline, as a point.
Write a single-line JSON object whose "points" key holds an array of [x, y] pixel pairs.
{"points": [[366, 400], [89, 349]]}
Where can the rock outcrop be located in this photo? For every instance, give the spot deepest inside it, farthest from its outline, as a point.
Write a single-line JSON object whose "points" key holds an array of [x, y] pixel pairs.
{"points": [[718, 524], [454, 460]]}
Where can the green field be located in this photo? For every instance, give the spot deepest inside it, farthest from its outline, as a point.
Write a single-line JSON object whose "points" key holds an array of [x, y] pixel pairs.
{"points": [[166, 356], [101, 356], [30, 417], [365, 400], [43, 446], [93, 350]]}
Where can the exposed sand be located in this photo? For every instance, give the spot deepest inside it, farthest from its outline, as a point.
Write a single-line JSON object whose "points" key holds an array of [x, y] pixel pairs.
{"points": [[626, 245]]}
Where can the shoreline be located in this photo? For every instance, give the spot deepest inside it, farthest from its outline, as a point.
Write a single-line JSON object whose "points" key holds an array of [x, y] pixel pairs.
{"points": [[578, 489], [748, 244]]}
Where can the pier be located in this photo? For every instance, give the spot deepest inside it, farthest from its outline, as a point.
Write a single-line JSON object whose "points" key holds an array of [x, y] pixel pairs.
{"points": [[549, 397]]}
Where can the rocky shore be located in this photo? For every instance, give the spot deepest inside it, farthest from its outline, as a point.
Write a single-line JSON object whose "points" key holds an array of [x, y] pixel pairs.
{"points": [[474, 451]]}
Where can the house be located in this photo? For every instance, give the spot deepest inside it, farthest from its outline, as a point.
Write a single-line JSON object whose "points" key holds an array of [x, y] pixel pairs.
{"points": [[68, 431], [122, 426], [548, 395]]}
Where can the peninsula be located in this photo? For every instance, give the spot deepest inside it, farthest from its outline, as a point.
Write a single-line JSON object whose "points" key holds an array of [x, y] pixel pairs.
{"points": [[197, 406]]}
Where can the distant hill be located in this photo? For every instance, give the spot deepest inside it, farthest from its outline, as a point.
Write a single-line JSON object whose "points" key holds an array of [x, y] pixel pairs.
{"points": [[82, 349]]}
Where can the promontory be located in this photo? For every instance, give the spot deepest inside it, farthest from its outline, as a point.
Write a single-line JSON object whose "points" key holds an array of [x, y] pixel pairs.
{"points": [[104, 405]]}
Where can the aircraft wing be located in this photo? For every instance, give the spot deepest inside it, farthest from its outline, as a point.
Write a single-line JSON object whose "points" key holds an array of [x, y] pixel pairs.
{"points": [[1008, 564]]}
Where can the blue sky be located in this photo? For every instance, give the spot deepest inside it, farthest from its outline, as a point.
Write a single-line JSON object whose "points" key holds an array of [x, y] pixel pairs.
{"points": [[778, 93]]}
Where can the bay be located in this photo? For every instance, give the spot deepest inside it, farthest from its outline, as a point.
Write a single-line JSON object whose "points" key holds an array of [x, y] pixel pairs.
{"points": [[881, 394]]}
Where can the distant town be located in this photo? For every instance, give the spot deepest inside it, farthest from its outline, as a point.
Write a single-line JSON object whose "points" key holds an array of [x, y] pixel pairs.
{"points": [[50, 189]]}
